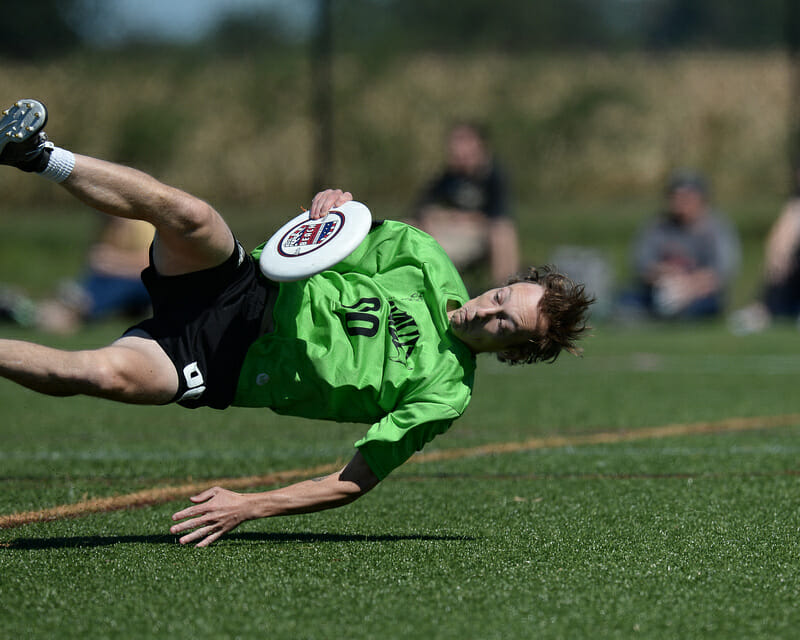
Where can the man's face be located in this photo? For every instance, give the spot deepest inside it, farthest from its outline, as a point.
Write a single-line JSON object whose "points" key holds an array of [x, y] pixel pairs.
{"points": [[465, 151], [499, 319], [687, 205]]}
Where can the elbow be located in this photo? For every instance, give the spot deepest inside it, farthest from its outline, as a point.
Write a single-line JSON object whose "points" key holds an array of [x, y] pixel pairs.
{"points": [[357, 478], [353, 489]]}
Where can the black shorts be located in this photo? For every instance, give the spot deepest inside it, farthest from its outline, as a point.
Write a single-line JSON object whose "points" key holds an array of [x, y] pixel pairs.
{"points": [[205, 322]]}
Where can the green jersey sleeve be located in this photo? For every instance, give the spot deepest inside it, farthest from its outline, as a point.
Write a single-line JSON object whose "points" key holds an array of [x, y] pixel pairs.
{"points": [[393, 440]]}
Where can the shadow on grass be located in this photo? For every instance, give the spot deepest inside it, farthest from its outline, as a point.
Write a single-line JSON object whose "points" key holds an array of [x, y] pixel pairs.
{"points": [[82, 542]]}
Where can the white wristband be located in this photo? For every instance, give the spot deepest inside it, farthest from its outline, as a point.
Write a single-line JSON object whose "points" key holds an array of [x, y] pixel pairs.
{"points": [[60, 166]]}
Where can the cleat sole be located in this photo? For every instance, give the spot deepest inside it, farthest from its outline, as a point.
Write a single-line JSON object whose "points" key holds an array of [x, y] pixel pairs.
{"points": [[22, 121]]}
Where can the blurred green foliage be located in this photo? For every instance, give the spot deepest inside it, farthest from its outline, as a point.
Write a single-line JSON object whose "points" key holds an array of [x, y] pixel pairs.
{"points": [[147, 137], [240, 129]]}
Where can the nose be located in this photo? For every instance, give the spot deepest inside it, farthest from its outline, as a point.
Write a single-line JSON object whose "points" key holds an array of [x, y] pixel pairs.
{"points": [[486, 312]]}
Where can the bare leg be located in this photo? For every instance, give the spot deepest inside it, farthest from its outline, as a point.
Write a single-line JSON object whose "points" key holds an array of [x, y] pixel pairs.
{"points": [[190, 234], [132, 369]]}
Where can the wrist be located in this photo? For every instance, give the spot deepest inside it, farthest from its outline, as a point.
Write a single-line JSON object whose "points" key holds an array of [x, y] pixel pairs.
{"points": [[257, 505]]}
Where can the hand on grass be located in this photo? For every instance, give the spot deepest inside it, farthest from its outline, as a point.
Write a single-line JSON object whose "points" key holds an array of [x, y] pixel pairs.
{"points": [[216, 511]]}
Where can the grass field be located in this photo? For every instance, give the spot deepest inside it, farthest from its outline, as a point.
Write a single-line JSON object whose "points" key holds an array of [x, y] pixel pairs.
{"points": [[637, 533], [646, 490]]}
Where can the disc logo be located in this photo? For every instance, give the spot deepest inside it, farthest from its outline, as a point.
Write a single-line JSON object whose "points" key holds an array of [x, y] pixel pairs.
{"points": [[310, 235]]}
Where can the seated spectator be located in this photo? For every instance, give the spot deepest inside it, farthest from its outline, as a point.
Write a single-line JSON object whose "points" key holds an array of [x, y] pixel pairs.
{"points": [[685, 259], [465, 208], [780, 297], [110, 284]]}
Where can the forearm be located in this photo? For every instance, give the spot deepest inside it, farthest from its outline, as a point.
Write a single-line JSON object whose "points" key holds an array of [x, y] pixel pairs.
{"points": [[504, 248], [307, 496], [705, 282], [217, 511], [782, 244]]}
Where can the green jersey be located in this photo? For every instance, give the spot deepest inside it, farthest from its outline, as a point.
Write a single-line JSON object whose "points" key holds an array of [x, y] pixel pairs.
{"points": [[369, 341]]}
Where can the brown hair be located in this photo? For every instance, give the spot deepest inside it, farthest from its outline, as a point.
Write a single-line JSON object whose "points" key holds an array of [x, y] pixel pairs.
{"points": [[564, 308]]}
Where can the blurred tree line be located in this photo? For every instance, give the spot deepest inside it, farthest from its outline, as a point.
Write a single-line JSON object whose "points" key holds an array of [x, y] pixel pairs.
{"points": [[51, 27], [387, 87], [561, 25]]}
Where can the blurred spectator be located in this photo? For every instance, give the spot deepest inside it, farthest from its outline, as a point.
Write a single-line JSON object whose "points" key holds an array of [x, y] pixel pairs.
{"points": [[685, 259], [466, 207], [780, 296], [110, 284]]}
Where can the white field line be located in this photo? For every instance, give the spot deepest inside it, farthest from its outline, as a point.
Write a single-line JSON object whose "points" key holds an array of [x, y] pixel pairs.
{"points": [[645, 362], [162, 495]]}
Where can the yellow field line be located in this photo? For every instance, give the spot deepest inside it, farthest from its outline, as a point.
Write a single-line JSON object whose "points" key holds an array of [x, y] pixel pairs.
{"points": [[645, 433], [162, 495]]}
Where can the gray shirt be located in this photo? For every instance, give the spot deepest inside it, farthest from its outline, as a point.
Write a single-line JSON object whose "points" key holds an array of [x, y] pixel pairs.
{"points": [[710, 243]]}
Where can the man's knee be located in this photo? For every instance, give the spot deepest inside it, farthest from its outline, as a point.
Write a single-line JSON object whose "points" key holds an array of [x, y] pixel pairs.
{"points": [[195, 237], [101, 372], [128, 375], [191, 215]]}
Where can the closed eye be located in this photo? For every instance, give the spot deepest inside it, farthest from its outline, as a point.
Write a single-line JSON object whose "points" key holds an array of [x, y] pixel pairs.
{"points": [[500, 295]]}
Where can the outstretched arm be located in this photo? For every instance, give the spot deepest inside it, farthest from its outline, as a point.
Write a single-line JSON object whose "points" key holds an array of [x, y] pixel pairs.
{"points": [[504, 249], [217, 511]]}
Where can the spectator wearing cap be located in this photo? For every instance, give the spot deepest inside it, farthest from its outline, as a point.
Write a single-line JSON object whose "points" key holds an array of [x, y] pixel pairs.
{"points": [[684, 260]]}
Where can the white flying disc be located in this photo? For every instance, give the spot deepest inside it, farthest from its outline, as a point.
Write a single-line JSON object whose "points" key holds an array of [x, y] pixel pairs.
{"points": [[303, 247]]}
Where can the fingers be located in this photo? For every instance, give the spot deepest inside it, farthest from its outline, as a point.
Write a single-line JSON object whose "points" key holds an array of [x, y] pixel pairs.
{"points": [[197, 534], [324, 201], [213, 537], [215, 512], [205, 495], [188, 512], [206, 535], [196, 513], [201, 497], [206, 532], [187, 524]]}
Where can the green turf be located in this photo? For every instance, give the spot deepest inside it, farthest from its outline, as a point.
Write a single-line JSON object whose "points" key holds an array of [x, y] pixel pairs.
{"points": [[692, 536], [680, 537]]}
